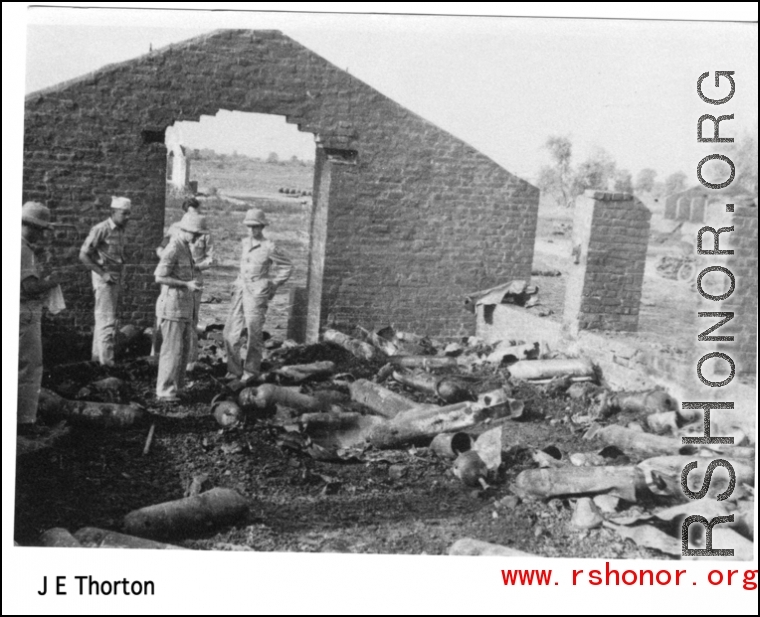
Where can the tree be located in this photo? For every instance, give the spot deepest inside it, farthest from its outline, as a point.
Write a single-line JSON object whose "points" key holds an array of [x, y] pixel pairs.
{"points": [[273, 158], [557, 178], [623, 181], [596, 172], [675, 182], [645, 180]]}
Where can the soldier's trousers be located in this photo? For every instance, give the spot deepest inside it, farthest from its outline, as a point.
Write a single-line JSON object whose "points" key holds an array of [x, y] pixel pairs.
{"points": [[172, 361], [104, 334], [249, 310], [29, 363], [157, 336]]}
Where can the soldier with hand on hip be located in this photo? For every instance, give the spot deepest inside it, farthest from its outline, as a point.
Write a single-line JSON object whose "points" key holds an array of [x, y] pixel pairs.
{"points": [[263, 268]]}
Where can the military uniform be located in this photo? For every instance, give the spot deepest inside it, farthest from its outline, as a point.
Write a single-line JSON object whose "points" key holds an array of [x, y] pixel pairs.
{"points": [[176, 306], [202, 251], [29, 342], [105, 246], [253, 290]]}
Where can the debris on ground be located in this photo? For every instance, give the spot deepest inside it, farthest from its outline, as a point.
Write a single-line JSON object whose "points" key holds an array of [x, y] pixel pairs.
{"points": [[197, 513], [340, 444]]}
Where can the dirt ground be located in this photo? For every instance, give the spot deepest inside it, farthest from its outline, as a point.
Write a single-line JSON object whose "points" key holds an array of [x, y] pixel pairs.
{"points": [[394, 501]]}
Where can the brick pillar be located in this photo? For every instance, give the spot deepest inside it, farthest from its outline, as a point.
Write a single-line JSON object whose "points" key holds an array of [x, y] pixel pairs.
{"points": [[610, 236], [683, 207], [671, 207], [698, 209]]}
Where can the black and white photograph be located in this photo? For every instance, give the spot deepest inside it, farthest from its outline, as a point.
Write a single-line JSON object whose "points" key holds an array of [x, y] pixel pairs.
{"points": [[385, 284]]}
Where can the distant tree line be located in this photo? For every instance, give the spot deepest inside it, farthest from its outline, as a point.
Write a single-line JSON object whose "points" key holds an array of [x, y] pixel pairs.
{"points": [[565, 182], [272, 158]]}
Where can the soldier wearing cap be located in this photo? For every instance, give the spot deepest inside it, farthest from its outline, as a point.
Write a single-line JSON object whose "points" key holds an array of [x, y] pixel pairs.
{"points": [[202, 251], [263, 268], [178, 278], [35, 220], [103, 254]]}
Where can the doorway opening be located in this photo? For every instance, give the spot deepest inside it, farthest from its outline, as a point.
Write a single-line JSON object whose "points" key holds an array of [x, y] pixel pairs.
{"points": [[232, 162]]}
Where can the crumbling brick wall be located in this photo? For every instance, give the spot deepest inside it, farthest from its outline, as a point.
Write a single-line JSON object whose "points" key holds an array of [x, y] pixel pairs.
{"points": [[611, 231], [415, 218]]}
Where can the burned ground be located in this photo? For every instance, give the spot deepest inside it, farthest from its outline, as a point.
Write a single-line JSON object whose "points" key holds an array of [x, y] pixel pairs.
{"points": [[392, 501]]}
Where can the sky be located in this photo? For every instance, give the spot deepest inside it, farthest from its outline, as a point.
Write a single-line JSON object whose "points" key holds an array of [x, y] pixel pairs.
{"points": [[504, 85]]}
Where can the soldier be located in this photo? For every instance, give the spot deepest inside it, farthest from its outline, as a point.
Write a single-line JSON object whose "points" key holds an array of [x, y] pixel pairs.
{"points": [[103, 253], [203, 257], [35, 220], [178, 279], [253, 290]]}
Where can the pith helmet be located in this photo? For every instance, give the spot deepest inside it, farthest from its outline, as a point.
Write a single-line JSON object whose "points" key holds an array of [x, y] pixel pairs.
{"points": [[194, 223], [121, 203], [254, 216], [35, 213]]}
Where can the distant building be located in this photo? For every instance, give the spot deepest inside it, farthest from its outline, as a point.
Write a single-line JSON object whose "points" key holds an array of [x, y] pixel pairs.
{"points": [[177, 166]]}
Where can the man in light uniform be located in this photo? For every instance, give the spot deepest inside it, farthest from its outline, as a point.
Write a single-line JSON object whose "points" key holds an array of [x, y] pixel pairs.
{"points": [[202, 251], [253, 290], [178, 279], [35, 220], [103, 253]]}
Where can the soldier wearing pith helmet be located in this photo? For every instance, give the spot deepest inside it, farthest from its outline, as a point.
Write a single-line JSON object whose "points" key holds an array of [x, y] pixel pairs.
{"points": [[103, 254], [263, 268], [35, 221], [178, 277]]}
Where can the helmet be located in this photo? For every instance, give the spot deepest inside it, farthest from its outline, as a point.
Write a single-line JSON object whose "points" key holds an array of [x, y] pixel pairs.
{"points": [[36, 214], [194, 223], [254, 216]]}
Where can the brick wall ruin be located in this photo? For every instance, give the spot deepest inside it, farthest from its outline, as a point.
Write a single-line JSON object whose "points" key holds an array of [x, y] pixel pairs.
{"points": [[412, 218], [610, 237]]}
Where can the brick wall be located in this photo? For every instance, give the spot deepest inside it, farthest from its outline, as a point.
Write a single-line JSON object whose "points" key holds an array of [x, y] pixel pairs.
{"points": [[604, 288], [414, 219]]}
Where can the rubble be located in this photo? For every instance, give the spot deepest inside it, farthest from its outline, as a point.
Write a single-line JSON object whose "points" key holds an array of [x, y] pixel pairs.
{"points": [[299, 373], [586, 515], [381, 400], [227, 413], [538, 370], [489, 446], [622, 482], [189, 515], [460, 404], [514, 292], [422, 424], [637, 441], [471, 469], [469, 546], [261, 400], [360, 349], [450, 445], [447, 388], [60, 538], [93, 537], [54, 408]]}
